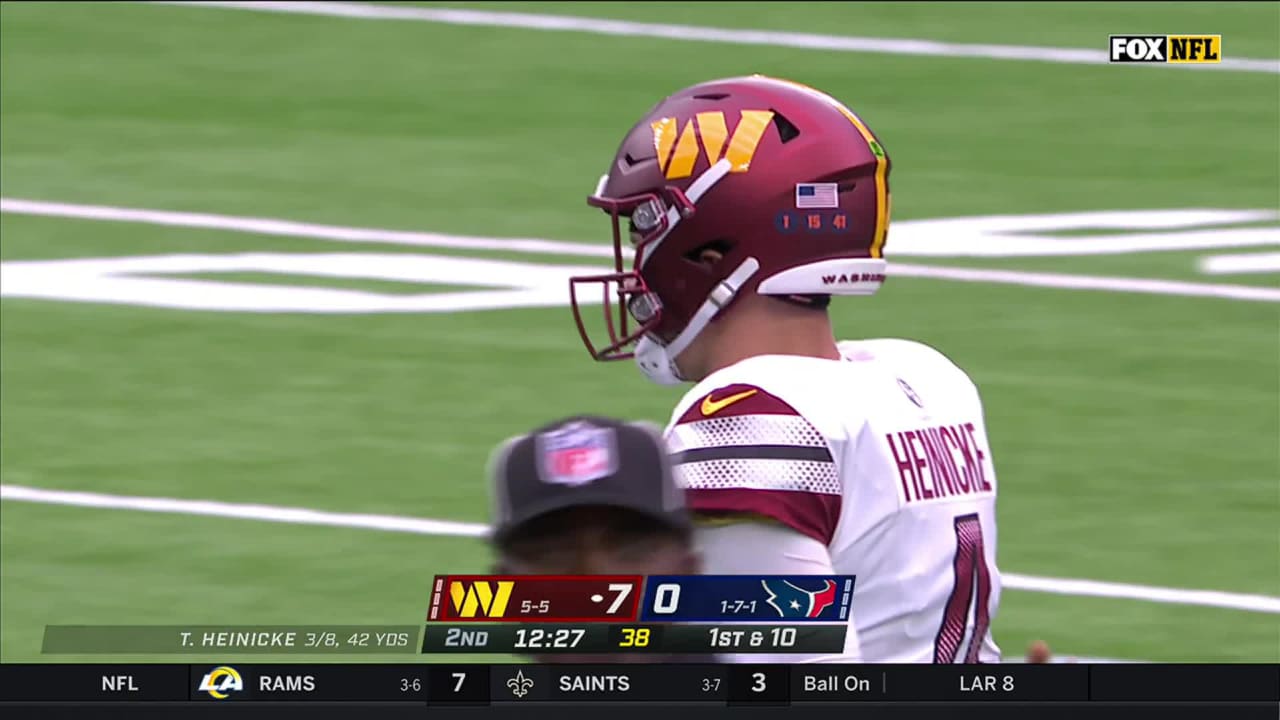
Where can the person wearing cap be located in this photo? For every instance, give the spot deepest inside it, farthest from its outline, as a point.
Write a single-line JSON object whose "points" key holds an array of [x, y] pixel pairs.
{"points": [[590, 496]]}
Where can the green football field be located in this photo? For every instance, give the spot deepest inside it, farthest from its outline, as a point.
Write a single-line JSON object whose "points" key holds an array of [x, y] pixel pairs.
{"points": [[1120, 315]]}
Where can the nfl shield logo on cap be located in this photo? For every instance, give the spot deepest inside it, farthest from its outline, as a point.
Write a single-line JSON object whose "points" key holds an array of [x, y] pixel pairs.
{"points": [[577, 453]]}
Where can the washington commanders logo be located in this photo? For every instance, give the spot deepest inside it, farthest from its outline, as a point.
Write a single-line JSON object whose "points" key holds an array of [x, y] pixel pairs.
{"points": [[480, 598], [678, 155]]}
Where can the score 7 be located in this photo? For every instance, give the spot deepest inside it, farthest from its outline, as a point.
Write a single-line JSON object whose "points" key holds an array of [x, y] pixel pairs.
{"points": [[460, 677], [623, 590]]}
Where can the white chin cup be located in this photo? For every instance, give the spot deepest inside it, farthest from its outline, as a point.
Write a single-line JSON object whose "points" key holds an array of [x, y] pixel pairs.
{"points": [[655, 363]]}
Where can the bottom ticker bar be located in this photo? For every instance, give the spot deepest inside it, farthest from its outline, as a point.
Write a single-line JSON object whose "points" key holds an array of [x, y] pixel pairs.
{"points": [[631, 682], [636, 711]]}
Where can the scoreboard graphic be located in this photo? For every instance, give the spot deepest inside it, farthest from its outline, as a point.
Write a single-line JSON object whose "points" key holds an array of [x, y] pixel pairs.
{"points": [[666, 598], [677, 614]]}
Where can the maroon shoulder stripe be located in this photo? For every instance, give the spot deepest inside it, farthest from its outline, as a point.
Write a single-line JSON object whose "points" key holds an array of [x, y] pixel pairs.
{"points": [[812, 514], [736, 399]]}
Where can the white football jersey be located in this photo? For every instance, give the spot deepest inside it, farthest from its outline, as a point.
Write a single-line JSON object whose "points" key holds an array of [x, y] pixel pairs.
{"points": [[883, 457]]}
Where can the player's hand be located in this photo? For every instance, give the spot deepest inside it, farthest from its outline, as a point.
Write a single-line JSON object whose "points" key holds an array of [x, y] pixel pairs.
{"points": [[1038, 652]]}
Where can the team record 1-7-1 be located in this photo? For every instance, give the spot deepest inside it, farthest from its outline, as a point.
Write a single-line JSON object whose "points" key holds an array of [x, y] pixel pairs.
{"points": [[708, 684]]}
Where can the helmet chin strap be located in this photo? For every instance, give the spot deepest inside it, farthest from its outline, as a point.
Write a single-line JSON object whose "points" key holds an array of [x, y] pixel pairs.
{"points": [[657, 361]]}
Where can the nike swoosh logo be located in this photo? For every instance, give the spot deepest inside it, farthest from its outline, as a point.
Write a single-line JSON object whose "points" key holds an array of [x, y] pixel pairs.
{"points": [[711, 407]]}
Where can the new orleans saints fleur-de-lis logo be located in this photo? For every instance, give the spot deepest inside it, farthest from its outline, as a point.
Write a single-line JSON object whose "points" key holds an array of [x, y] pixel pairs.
{"points": [[520, 684]]}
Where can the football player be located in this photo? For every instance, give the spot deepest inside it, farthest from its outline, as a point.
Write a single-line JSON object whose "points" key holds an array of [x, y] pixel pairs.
{"points": [[748, 204]]}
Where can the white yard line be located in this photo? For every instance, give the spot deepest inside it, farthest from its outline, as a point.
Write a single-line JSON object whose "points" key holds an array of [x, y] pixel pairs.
{"points": [[1240, 263], [289, 228], [424, 526], [805, 41], [242, 511], [1088, 282]]}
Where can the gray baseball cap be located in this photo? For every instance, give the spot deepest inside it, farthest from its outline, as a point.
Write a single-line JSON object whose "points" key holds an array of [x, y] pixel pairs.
{"points": [[584, 460]]}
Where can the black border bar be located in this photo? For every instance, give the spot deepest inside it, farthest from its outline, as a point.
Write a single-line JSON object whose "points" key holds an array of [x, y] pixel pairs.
{"points": [[754, 685]]}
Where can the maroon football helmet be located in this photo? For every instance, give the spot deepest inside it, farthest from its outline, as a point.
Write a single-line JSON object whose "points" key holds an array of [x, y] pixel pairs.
{"points": [[784, 182]]}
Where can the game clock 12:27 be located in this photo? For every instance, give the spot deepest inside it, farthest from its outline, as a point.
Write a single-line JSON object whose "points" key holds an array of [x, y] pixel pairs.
{"points": [[540, 639]]}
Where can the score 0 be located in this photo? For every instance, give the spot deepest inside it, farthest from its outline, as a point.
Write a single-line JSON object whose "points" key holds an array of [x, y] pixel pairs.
{"points": [[666, 599]]}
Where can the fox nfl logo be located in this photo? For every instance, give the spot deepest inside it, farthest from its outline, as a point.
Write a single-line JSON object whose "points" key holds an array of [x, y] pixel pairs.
{"points": [[1179, 49]]}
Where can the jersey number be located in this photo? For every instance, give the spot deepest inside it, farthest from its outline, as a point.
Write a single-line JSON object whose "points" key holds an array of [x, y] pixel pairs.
{"points": [[972, 584]]}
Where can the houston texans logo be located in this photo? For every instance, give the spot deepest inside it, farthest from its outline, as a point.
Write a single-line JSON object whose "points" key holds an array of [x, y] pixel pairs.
{"points": [[792, 601]]}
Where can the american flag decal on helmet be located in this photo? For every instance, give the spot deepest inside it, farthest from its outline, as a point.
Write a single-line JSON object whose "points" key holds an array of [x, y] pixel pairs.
{"points": [[816, 195]]}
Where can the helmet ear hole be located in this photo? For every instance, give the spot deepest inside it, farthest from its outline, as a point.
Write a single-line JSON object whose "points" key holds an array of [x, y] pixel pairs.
{"points": [[711, 253], [709, 257]]}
